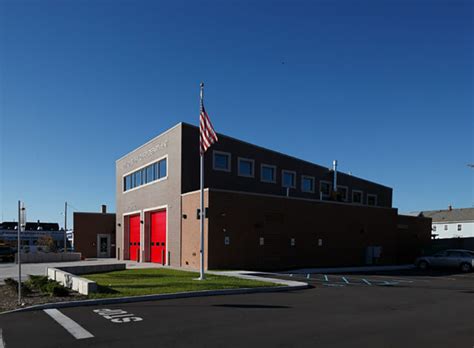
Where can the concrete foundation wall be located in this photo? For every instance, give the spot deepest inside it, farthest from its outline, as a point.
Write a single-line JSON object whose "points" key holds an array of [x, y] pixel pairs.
{"points": [[40, 257], [69, 276]]}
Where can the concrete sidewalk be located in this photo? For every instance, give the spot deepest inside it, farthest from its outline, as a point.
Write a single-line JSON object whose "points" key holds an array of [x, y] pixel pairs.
{"points": [[10, 270], [252, 275], [350, 269]]}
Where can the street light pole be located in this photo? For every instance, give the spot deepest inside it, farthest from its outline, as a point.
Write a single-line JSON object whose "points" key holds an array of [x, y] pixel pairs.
{"points": [[65, 226], [18, 252]]}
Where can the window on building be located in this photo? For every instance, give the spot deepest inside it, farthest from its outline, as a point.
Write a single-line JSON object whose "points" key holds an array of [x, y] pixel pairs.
{"points": [[325, 188], [459, 227], [433, 228], [246, 167], [148, 174], [163, 169], [372, 200], [288, 178], [307, 183], [127, 183], [445, 227], [268, 173], [138, 178], [357, 196], [221, 161], [342, 192]]}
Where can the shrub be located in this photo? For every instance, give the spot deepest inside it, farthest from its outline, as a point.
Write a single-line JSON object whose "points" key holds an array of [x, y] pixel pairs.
{"points": [[47, 286], [10, 282], [56, 289], [38, 282], [13, 285]]}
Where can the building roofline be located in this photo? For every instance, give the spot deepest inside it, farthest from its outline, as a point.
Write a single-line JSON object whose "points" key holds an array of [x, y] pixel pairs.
{"points": [[92, 212], [443, 222], [288, 156], [454, 215], [150, 141], [250, 144]]}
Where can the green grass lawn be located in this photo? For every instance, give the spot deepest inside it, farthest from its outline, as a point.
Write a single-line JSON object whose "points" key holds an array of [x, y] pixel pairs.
{"points": [[149, 281]]}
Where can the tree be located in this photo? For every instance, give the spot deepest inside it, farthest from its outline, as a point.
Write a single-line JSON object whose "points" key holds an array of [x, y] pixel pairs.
{"points": [[47, 243]]}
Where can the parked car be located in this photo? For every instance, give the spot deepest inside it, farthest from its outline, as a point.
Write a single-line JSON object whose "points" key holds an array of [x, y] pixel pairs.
{"points": [[452, 258], [7, 253]]}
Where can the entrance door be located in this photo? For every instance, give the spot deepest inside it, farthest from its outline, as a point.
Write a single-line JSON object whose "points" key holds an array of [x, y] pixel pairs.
{"points": [[158, 236], [103, 245], [134, 237]]}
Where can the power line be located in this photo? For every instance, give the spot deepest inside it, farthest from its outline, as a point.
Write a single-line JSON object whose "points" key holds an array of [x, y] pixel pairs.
{"points": [[73, 207]]}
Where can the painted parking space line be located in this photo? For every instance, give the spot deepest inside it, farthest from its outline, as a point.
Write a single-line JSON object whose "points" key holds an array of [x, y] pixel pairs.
{"points": [[387, 283], [67, 323], [2, 342], [334, 285], [354, 280], [404, 280]]}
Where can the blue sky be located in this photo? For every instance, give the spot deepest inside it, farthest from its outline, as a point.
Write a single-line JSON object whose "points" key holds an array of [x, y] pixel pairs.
{"points": [[385, 87]]}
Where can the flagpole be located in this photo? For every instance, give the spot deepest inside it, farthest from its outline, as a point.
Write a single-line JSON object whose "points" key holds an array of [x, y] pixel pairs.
{"points": [[202, 215]]}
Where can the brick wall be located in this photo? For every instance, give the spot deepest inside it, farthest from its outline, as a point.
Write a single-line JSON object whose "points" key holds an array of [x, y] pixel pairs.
{"points": [[298, 232]]}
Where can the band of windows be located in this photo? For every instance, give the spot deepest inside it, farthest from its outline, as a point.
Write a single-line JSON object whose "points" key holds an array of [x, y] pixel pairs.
{"points": [[221, 161], [148, 174]]}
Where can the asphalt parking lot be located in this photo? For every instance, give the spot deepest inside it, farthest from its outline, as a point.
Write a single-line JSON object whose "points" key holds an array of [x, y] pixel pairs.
{"points": [[392, 309]]}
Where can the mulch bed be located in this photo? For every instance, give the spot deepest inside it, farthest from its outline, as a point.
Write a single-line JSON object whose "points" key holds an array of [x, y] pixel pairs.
{"points": [[9, 298]]}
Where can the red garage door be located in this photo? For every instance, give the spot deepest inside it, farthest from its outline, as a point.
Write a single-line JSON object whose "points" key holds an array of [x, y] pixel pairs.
{"points": [[158, 236], [134, 236]]}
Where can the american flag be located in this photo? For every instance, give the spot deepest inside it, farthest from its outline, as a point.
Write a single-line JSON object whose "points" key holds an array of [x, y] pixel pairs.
{"points": [[207, 135]]}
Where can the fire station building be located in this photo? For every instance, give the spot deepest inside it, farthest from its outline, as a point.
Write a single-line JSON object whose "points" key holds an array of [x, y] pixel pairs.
{"points": [[264, 209]]}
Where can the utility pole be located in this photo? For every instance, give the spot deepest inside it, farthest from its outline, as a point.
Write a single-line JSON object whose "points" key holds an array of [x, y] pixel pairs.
{"points": [[65, 227], [21, 222]]}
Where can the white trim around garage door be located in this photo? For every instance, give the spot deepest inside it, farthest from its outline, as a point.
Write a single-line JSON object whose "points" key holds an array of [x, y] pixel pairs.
{"points": [[135, 212], [158, 208]]}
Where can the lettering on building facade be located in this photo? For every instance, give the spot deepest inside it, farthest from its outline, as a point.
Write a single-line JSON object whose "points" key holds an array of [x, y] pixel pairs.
{"points": [[144, 155]]}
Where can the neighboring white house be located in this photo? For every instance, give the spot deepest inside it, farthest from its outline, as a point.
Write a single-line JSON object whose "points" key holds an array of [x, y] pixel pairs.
{"points": [[451, 223]]}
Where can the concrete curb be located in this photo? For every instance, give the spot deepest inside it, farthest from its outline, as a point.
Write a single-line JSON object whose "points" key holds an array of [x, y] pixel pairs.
{"points": [[144, 298], [283, 286]]}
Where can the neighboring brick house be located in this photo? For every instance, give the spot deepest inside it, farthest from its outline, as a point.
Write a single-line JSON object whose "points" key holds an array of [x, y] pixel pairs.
{"points": [[265, 209]]}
